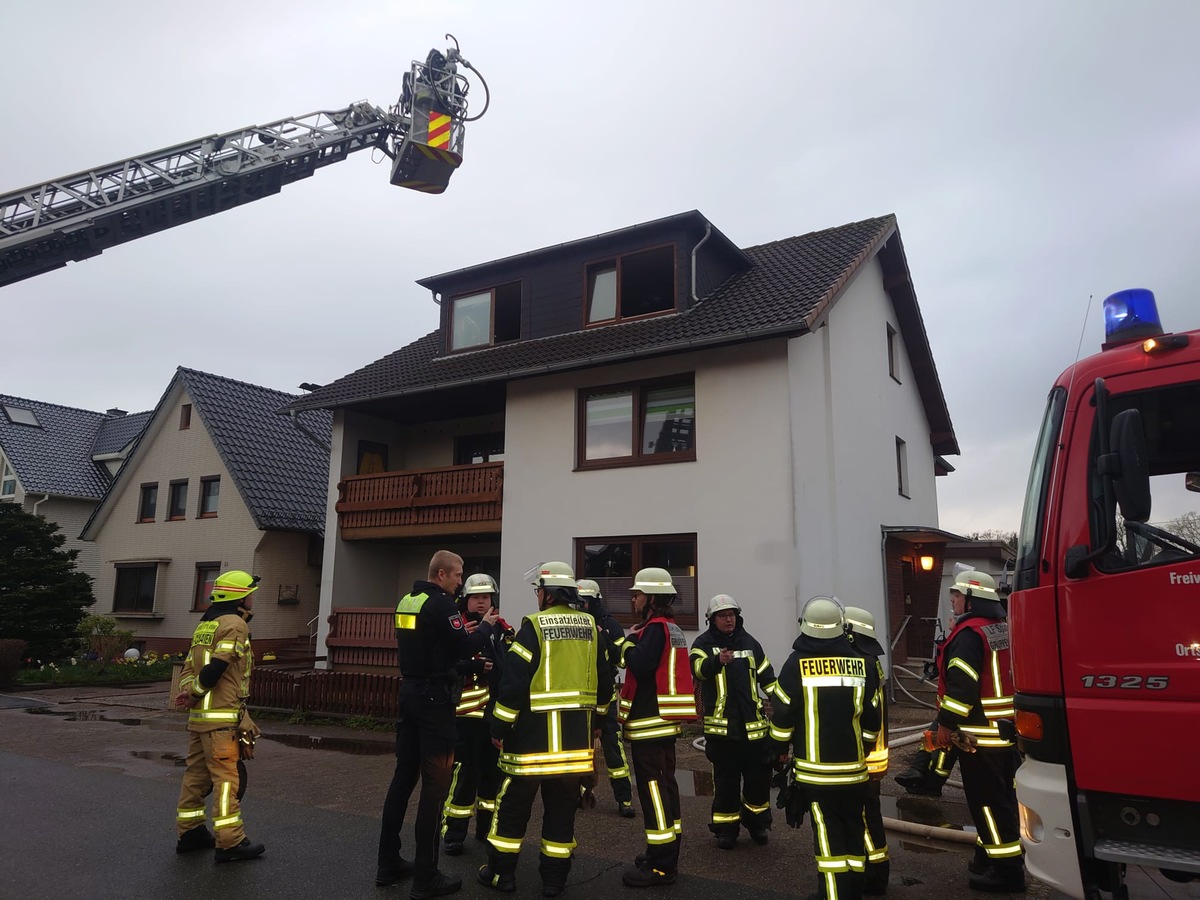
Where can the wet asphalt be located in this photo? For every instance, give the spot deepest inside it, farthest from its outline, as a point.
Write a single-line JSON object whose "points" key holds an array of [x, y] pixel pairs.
{"points": [[89, 779]]}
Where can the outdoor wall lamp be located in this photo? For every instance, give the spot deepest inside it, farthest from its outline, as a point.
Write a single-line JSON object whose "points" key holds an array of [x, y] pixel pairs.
{"points": [[926, 563]]}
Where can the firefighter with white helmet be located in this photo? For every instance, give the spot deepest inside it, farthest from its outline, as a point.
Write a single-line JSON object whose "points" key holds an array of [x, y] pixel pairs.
{"points": [[476, 776], [860, 628], [975, 691], [825, 702], [612, 635], [656, 698], [544, 722], [213, 688], [732, 668]]}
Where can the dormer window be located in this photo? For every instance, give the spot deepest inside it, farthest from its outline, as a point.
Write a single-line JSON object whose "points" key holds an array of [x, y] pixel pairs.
{"points": [[485, 318], [636, 284], [8, 479]]}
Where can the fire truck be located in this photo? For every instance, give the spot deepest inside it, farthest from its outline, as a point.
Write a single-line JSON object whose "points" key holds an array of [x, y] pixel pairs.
{"points": [[45, 226], [1105, 614]]}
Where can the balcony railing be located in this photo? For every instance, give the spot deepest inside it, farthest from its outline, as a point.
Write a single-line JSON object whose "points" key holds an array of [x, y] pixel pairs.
{"points": [[421, 502]]}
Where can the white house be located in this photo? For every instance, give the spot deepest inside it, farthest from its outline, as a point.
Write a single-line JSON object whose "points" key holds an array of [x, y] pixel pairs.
{"points": [[765, 422]]}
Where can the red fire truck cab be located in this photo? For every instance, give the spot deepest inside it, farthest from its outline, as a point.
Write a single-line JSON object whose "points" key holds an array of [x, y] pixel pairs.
{"points": [[1105, 614]]}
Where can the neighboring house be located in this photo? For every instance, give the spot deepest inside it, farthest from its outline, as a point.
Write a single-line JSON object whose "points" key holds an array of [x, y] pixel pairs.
{"points": [[757, 421], [218, 480], [996, 558], [57, 461]]}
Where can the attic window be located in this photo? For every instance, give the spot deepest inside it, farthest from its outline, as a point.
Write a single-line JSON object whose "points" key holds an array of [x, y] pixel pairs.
{"points": [[486, 318], [8, 479], [19, 415], [637, 284]]}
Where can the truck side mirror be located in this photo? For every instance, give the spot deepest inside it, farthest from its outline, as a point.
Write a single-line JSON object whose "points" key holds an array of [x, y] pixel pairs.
{"points": [[1132, 483], [1191, 481]]}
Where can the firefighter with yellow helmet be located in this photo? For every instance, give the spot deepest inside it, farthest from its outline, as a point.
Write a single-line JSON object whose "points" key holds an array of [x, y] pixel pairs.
{"points": [[544, 722], [656, 699], [213, 688], [826, 702], [476, 777], [975, 691], [860, 628], [732, 669], [612, 636]]}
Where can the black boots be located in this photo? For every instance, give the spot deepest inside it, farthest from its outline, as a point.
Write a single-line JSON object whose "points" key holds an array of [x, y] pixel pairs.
{"points": [[644, 875], [1000, 880], [198, 838], [396, 871], [244, 850], [503, 883], [440, 886]]}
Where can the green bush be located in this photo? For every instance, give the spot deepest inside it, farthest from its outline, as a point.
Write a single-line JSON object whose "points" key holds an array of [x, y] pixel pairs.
{"points": [[101, 640], [10, 661]]}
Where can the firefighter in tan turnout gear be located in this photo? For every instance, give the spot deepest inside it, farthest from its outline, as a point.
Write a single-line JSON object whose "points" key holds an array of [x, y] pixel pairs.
{"points": [[826, 708], [214, 687], [555, 685]]}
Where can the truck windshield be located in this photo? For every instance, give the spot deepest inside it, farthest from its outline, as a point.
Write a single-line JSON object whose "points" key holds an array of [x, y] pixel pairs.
{"points": [[1171, 420], [1029, 542]]}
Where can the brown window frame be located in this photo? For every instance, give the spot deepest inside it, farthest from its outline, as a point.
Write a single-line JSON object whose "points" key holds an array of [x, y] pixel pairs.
{"points": [[491, 341], [199, 595], [621, 604], [639, 391], [172, 515], [185, 417], [141, 509], [203, 493], [615, 262], [117, 585]]}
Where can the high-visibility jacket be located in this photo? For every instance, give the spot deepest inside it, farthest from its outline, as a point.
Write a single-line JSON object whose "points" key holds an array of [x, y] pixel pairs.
{"points": [[658, 694], [220, 636], [478, 682], [825, 700], [730, 693], [975, 683], [432, 636], [554, 680]]}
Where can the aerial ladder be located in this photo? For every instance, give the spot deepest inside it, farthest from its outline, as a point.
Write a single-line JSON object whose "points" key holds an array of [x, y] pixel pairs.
{"points": [[45, 226]]}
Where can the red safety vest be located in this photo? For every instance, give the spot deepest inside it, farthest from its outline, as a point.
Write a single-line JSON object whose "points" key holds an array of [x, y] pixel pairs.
{"points": [[676, 693], [996, 687]]}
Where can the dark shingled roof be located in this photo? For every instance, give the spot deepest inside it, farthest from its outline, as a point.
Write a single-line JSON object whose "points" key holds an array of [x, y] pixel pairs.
{"points": [[279, 466], [117, 432], [788, 286], [55, 456], [787, 280]]}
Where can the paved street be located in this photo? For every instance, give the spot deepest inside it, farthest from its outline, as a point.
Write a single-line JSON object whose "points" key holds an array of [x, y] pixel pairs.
{"points": [[89, 780]]}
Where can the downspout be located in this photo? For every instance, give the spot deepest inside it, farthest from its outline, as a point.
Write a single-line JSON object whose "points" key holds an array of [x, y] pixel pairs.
{"points": [[433, 294], [696, 250], [45, 497]]}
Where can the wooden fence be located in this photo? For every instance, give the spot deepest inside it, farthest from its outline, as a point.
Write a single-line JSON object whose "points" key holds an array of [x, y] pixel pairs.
{"points": [[325, 692]]}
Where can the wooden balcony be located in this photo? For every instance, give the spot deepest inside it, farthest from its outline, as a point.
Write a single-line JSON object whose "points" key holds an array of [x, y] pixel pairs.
{"points": [[453, 500]]}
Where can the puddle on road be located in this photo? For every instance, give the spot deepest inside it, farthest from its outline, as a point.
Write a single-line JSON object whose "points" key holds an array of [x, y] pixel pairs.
{"points": [[83, 715], [353, 746]]}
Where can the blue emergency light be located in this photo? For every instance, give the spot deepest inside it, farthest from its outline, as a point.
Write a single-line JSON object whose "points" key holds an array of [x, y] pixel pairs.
{"points": [[1130, 315]]}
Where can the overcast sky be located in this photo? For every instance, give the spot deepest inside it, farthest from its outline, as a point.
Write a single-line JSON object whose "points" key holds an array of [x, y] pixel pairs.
{"points": [[1034, 153]]}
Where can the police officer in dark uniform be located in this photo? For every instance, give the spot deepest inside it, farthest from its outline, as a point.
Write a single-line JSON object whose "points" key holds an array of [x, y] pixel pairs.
{"points": [[431, 637]]}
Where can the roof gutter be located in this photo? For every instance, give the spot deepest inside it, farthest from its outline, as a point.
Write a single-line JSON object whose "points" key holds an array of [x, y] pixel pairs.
{"points": [[695, 251]]}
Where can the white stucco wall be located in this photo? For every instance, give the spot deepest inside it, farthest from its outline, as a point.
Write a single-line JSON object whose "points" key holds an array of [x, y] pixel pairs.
{"points": [[847, 412], [735, 495]]}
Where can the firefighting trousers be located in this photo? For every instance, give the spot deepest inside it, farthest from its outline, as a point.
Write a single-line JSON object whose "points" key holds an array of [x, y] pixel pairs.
{"points": [[878, 867], [212, 764], [560, 799], [989, 782], [424, 751], [614, 758], [654, 769], [474, 781], [839, 840], [741, 784]]}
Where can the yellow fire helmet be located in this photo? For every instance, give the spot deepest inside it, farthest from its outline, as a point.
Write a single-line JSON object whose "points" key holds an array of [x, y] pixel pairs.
{"points": [[234, 585]]}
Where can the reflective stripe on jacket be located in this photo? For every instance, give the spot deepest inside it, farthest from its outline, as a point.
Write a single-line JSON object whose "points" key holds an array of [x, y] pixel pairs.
{"points": [[674, 692]]}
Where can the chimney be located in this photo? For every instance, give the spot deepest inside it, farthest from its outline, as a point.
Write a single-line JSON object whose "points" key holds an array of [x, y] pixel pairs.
{"points": [[116, 412]]}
